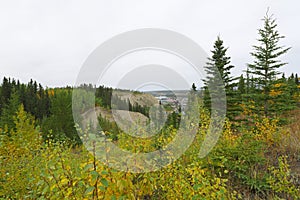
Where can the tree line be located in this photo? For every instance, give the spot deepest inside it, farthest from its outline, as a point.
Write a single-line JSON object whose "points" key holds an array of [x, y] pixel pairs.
{"points": [[32, 95], [52, 107]]}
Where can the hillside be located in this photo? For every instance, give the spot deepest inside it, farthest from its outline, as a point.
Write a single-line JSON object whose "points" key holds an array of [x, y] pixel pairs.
{"points": [[123, 117], [143, 99]]}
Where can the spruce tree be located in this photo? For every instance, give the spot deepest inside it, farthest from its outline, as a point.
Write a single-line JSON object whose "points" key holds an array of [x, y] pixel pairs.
{"points": [[241, 85], [6, 91], [241, 88], [266, 63], [297, 80], [194, 88], [9, 111], [219, 78], [293, 89], [281, 91]]}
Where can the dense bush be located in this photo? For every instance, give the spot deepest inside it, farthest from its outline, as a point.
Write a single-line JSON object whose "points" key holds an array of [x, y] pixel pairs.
{"points": [[237, 168]]}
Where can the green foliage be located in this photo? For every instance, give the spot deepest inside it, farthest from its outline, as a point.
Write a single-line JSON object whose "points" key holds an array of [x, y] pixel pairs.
{"points": [[241, 85], [110, 128], [266, 63], [281, 182], [18, 153], [218, 73], [61, 120], [243, 160], [32, 95], [105, 94], [235, 169], [84, 100], [9, 110], [6, 90], [281, 90]]}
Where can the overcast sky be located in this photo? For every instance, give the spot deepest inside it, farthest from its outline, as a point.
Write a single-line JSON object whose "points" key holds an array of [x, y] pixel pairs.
{"points": [[49, 41]]}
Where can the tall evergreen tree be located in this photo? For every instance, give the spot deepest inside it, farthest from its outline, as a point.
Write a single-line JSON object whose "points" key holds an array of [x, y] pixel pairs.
{"points": [[6, 90], [293, 88], [9, 111], [241, 85], [297, 80], [281, 92], [219, 78], [194, 88], [266, 63]]}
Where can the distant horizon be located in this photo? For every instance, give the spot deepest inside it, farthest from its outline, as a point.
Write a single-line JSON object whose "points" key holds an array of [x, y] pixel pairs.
{"points": [[198, 88], [98, 85]]}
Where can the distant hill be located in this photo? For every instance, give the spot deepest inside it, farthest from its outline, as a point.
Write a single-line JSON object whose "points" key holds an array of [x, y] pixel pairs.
{"points": [[143, 99], [123, 117]]}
